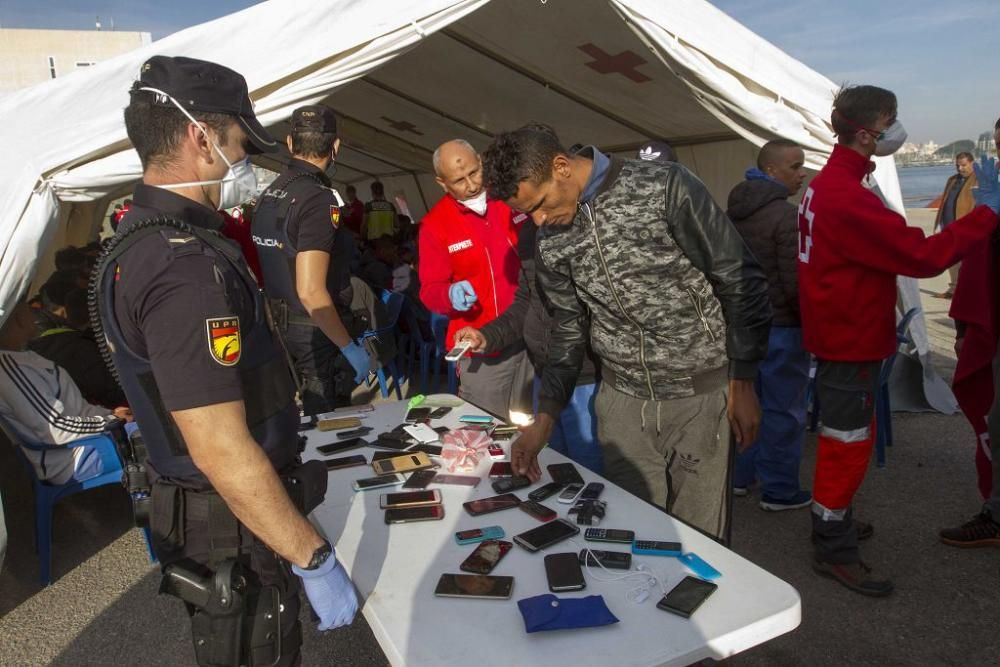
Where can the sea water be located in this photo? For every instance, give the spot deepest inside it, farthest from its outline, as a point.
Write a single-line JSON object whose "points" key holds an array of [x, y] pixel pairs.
{"points": [[921, 185]]}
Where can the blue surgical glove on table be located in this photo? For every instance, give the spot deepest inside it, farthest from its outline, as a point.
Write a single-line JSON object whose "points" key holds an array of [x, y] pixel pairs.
{"points": [[330, 593], [358, 357], [988, 192], [462, 295]]}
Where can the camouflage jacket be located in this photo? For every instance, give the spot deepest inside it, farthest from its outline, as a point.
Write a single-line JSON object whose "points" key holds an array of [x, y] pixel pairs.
{"points": [[670, 288]]}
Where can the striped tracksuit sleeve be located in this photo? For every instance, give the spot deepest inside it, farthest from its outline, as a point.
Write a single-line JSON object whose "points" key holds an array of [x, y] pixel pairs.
{"points": [[45, 403]]}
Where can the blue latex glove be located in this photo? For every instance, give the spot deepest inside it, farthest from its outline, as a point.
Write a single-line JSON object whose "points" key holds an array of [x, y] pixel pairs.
{"points": [[462, 295], [330, 593], [357, 355], [988, 192]]}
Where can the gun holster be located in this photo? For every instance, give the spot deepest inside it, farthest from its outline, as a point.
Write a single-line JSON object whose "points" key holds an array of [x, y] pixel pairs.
{"points": [[135, 479], [232, 622]]}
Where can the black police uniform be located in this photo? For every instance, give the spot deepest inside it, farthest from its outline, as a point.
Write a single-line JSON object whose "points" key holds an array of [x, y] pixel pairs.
{"points": [[299, 212], [186, 327]]}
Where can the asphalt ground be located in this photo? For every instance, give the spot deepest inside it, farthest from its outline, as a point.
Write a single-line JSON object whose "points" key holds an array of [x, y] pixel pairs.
{"points": [[102, 608]]}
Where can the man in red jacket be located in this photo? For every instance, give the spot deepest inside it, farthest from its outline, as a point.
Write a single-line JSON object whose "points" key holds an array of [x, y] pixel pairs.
{"points": [[851, 248], [469, 270]]}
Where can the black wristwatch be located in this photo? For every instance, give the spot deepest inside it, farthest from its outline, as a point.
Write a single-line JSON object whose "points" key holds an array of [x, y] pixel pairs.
{"points": [[320, 556]]}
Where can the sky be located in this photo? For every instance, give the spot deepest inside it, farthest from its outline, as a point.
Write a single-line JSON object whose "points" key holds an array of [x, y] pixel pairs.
{"points": [[938, 56]]}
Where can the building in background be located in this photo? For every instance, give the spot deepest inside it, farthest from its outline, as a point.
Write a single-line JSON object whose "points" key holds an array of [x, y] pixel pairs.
{"points": [[28, 56]]}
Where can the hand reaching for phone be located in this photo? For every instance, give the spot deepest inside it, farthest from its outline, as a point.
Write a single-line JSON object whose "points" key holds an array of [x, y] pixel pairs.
{"points": [[472, 336], [524, 451]]}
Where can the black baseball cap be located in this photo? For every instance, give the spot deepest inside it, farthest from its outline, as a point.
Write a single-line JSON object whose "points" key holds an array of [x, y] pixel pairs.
{"points": [[657, 151], [199, 85], [314, 118]]}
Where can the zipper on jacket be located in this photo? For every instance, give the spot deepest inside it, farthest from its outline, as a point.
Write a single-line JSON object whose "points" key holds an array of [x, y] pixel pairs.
{"points": [[493, 281], [642, 336], [696, 302]]}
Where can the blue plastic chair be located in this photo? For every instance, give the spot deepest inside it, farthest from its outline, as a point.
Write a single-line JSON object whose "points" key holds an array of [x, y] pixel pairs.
{"points": [[439, 325], [883, 404], [47, 495], [393, 304], [418, 349]]}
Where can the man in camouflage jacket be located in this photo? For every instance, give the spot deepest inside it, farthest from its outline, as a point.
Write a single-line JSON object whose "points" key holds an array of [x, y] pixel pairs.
{"points": [[678, 310]]}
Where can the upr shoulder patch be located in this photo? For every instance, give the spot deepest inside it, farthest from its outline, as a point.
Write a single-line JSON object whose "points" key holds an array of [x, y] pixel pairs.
{"points": [[335, 215], [224, 339]]}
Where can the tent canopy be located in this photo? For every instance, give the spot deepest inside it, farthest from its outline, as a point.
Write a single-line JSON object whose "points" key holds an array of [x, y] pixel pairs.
{"points": [[613, 73]]}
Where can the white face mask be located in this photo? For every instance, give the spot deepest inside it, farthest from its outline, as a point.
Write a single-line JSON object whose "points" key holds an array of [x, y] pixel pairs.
{"points": [[239, 185], [477, 203], [892, 140]]}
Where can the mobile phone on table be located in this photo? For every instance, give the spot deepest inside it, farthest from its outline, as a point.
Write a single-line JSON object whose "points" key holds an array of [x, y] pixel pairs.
{"points": [[346, 462], [307, 422], [409, 499], [403, 463], [455, 353], [457, 480], [491, 504], [419, 479], [613, 560], [386, 454], [565, 473], [501, 469], [377, 482], [352, 409], [476, 419], [569, 494], [564, 573], [414, 414], [335, 447], [414, 514], [546, 535], [391, 441], [538, 510], [496, 452], [338, 423], [421, 432], [508, 484], [684, 598], [439, 413], [474, 535], [355, 432], [480, 586], [543, 492], [503, 436], [592, 491], [609, 535], [656, 548], [486, 556]]}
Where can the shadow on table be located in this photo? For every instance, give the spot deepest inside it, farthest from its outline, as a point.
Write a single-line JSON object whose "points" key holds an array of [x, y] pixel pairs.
{"points": [[82, 526]]}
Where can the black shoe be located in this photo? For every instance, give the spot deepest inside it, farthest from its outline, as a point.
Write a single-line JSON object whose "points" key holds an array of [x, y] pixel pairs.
{"points": [[982, 531], [856, 576]]}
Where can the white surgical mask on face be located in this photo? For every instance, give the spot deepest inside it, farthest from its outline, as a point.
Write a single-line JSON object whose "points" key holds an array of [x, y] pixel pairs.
{"points": [[892, 140], [477, 203], [239, 185]]}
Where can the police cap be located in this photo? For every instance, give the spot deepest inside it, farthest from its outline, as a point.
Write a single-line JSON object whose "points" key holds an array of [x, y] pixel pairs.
{"points": [[314, 118]]}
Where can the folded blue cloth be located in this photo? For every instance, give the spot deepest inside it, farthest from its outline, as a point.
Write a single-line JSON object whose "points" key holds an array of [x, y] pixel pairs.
{"points": [[547, 612]]}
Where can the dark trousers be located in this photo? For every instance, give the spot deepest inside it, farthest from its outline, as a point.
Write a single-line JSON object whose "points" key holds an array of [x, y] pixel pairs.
{"points": [[846, 392], [327, 377], [993, 502]]}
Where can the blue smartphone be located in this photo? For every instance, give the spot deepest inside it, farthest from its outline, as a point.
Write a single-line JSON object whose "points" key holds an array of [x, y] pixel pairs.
{"points": [[476, 535], [694, 562], [476, 419]]}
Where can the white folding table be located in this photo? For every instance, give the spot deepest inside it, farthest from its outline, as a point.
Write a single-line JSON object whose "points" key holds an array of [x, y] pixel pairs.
{"points": [[396, 569]]}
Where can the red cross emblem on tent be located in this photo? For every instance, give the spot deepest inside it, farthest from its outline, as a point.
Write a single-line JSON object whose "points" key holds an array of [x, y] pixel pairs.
{"points": [[402, 125], [623, 63]]}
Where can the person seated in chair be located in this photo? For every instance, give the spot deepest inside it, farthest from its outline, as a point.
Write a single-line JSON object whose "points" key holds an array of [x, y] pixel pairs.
{"points": [[41, 403]]}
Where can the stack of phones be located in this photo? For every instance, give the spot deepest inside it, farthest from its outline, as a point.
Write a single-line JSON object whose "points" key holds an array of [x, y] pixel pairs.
{"points": [[411, 506], [342, 446]]}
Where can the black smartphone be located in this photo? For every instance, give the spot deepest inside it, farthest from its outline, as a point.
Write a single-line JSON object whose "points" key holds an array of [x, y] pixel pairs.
{"points": [[591, 492], [480, 586], [410, 499], [438, 413], [387, 454], [486, 556], [336, 447], [412, 514], [354, 432], [430, 450], [508, 484], [564, 573], [538, 510], [307, 423], [546, 535], [391, 440], [617, 560], [501, 469], [346, 462], [686, 596], [419, 479], [543, 492], [492, 504], [503, 436], [565, 473], [417, 413]]}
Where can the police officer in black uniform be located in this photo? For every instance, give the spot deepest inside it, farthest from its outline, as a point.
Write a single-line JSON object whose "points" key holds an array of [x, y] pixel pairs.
{"points": [[305, 257], [186, 328]]}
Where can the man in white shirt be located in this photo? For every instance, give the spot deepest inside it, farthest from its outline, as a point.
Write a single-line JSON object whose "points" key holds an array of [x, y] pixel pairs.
{"points": [[43, 405]]}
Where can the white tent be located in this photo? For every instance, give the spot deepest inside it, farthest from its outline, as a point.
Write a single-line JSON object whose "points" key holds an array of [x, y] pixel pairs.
{"points": [[609, 72]]}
